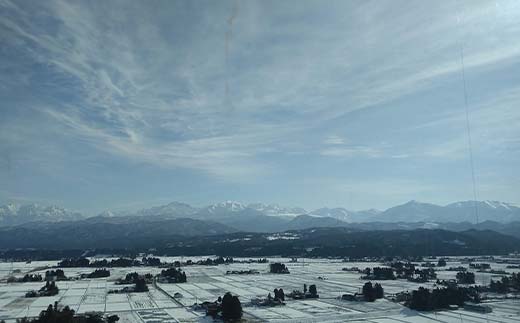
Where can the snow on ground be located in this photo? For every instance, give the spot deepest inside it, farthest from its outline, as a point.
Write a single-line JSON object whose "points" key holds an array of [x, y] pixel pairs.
{"points": [[207, 283]]}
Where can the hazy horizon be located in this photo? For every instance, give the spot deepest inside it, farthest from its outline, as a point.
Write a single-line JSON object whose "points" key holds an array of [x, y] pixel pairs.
{"points": [[129, 209], [354, 104]]}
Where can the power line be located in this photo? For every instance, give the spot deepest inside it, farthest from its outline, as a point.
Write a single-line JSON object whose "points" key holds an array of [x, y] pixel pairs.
{"points": [[468, 127]]}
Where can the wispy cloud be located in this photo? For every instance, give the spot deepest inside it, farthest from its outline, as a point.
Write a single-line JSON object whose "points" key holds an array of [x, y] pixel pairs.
{"points": [[235, 93], [334, 140], [353, 151]]}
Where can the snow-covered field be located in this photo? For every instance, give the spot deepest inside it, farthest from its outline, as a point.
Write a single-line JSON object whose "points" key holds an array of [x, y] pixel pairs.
{"points": [[207, 283]]}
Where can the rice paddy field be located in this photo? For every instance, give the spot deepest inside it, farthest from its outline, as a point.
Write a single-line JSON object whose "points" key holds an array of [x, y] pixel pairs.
{"points": [[207, 283]]}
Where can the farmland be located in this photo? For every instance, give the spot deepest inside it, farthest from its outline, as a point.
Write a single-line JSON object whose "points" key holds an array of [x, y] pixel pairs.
{"points": [[162, 303]]}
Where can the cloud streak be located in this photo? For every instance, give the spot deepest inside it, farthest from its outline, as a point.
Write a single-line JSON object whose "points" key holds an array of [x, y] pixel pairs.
{"points": [[161, 84]]}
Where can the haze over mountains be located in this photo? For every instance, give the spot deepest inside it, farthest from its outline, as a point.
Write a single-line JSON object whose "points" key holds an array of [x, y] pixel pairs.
{"points": [[269, 217], [33, 226], [12, 214]]}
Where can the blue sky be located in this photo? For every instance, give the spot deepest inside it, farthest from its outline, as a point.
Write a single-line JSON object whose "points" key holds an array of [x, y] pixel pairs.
{"points": [[359, 104]]}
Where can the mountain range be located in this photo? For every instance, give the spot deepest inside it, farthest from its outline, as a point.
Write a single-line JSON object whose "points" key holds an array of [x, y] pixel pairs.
{"points": [[35, 226], [273, 216], [12, 214]]}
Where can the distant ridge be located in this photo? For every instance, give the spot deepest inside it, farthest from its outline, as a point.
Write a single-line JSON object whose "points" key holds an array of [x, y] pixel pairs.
{"points": [[271, 217], [193, 237]]}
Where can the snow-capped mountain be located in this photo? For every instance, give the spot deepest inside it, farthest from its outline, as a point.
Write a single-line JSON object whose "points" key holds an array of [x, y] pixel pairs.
{"points": [[12, 214], [271, 217], [336, 213], [483, 210], [223, 208], [483, 204], [277, 210], [466, 211], [173, 209], [345, 215], [412, 211]]}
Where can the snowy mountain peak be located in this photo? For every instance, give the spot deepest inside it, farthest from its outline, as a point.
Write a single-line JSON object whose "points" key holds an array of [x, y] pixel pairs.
{"points": [[8, 209], [107, 214], [12, 214], [336, 213], [416, 203], [231, 206], [277, 210], [172, 209], [497, 205]]}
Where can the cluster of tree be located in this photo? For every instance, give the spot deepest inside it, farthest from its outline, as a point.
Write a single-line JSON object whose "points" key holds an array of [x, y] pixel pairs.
{"points": [[104, 263], [403, 270], [312, 292], [98, 273], [459, 268], [74, 262], [278, 294], [423, 275], [53, 314], [372, 292], [132, 278], [447, 283], [441, 262], [481, 266], [218, 261], [25, 279], [50, 289], [214, 262], [57, 274], [228, 308], [140, 286], [242, 272], [252, 261], [378, 273], [398, 258], [28, 255], [278, 268], [173, 275], [425, 300], [506, 284], [119, 262], [139, 281], [465, 277], [279, 298], [151, 261]]}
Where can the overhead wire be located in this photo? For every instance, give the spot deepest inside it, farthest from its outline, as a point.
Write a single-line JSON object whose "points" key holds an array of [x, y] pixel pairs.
{"points": [[460, 23]]}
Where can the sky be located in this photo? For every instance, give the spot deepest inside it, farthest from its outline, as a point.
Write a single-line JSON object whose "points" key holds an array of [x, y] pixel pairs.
{"points": [[357, 104]]}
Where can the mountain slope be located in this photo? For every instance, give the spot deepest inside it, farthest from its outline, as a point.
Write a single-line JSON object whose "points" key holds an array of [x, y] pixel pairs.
{"points": [[276, 210], [250, 220], [11, 214], [467, 211], [412, 211], [173, 210], [99, 233], [346, 242], [258, 217], [307, 222], [336, 213]]}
